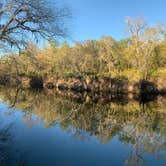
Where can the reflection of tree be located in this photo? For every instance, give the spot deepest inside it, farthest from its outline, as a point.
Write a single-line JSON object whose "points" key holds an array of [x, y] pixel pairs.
{"points": [[9, 155], [135, 158], [143, 127], [29, 121], [5, 138]]}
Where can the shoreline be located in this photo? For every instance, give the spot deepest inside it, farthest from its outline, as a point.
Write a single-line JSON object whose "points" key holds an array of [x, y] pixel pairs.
{"points": [[95, 85]]}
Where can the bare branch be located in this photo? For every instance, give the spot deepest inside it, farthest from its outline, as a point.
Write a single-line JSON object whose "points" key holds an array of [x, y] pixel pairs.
{"points": [[22, 18]]}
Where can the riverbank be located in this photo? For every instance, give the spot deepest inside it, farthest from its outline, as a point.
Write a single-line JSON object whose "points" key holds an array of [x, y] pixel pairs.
{"points": [[157, 85]]}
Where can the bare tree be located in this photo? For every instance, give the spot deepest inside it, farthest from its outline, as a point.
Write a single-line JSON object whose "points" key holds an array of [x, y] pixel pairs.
{"points": [[40, 18], [144, 41]]}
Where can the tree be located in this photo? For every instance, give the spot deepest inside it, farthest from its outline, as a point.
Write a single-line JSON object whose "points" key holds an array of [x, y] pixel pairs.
{"points": [[144, 41], [21, 18], [112, 55]]}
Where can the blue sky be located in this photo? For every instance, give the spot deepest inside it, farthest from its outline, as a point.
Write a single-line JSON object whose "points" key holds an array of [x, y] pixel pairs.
{"points": [[95, 18]]}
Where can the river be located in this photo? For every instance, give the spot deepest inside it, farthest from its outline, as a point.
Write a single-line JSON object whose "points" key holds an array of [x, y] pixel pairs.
{"points": [[39, 128]]}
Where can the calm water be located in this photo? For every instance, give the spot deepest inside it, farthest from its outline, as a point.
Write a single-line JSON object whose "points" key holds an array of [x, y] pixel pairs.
{"points": [[38, 128]]}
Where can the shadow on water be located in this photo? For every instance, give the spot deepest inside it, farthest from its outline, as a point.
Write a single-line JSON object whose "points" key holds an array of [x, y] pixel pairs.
{"points": [[9, 154], [138, 121]]}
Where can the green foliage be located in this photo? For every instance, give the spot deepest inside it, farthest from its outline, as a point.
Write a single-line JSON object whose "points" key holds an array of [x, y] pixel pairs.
{"points": [[139, 56]]}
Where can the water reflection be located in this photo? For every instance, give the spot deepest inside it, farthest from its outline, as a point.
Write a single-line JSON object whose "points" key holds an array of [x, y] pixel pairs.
{"points": [[140, 126], [9, 154]]}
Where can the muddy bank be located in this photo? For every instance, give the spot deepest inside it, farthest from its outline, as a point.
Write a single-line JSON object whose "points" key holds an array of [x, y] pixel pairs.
{"points": [[95, 85]]}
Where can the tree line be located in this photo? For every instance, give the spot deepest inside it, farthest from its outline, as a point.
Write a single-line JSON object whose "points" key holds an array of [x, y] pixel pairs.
{"points": [[141, 55]]}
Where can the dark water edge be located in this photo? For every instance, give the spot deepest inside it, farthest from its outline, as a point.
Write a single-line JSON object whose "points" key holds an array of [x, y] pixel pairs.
{"points": [[62, 128]]}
